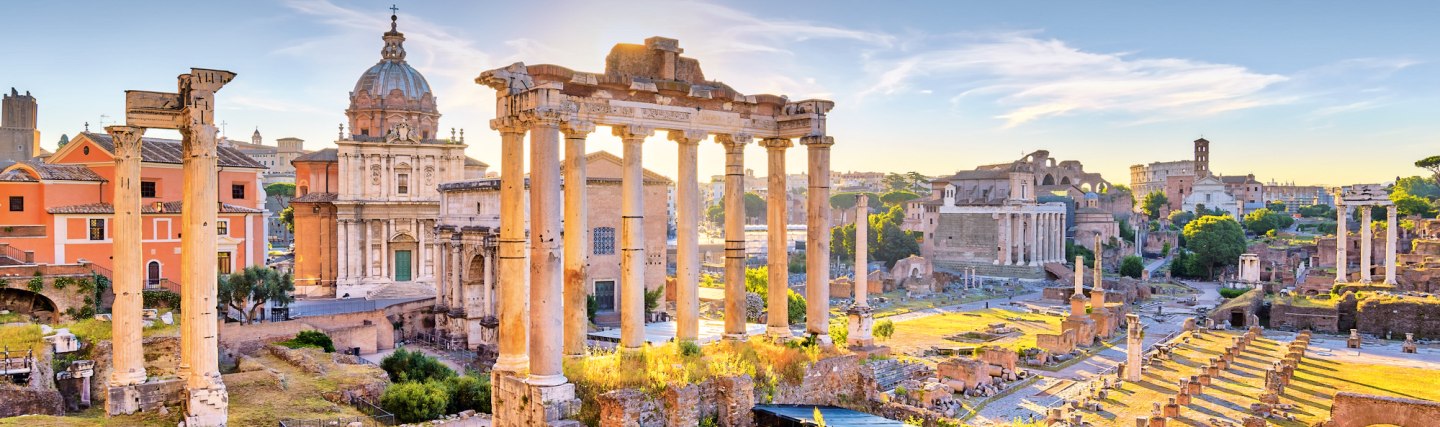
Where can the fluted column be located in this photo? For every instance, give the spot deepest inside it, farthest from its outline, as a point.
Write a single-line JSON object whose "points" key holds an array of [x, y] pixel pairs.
{"points": [[127, 358], [817, 245], [1033, 233], [1390, 242], [577, 235], [687, 237], [632, 236], [1042, 238], [547, 287], [385, 257], [341, 259], [1342, 242], [1367, 241], [735, 234], [514, 282], [778, 319]]}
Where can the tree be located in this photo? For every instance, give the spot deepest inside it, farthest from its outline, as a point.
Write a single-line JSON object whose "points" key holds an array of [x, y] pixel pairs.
{"points": [[1263, 220], [757, 281], [897, 197], [1411, 205], [1152, 204], [64, 139], [754, 206], [1415, 186], [287, 217], [883, 329], [895, 181], [887, 241], [1073, 250], [1215, 240], [918, 182], [249, 289], [1316, 211], [1132, 266], [715, 213], [1127, 233], [414, 366], [280, 189], [1431, 164], [416, 401], [1275, 205], [1180, 218]]}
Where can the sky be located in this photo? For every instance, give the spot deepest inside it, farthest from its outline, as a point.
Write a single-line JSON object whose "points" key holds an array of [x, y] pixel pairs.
{"points": [[1314, 92]]}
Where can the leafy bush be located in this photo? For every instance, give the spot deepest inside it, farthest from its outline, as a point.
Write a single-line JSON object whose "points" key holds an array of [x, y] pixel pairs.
{"points": [[592, 306], [468, 392], [315, 339], [1132, 266], [160, 299], [840, 331], [37, 283], [416, 401], [1229, 293], [404, 365], [689, 348], [652, 299], [796, 306], [883, 329]]}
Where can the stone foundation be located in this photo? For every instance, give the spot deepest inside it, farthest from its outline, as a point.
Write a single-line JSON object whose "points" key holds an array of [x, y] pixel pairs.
{"points": [[147, 397], [518, 403]]}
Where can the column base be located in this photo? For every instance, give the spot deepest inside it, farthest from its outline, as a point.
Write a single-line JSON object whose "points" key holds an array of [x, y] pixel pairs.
{"points": [[207, 407], [546, 380], [1390, 282], [735, 337], [519, 402], [143, 397], [779, 333], [512, 363], [123, 379]]}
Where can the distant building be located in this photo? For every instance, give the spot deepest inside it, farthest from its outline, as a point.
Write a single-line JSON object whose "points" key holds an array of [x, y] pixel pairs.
{"points": [[1247, 190], [19, 139], [989, 220], [1173, 179], [1296, 196], [1210, 192]]}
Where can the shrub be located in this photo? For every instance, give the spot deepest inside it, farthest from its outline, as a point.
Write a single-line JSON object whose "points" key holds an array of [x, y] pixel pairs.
{"points": [[592, 306], [840, 331], [796, 309], [689, 348], [405, 366], [468, 392], [883, 329], [1229, 293], [1132, 266], [315, 339], [160, 299], [652, 299], [37, 283], [416, 401]]}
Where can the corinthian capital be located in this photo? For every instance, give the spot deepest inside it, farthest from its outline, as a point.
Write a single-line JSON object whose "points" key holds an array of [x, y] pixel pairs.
{"points": [[508, 124], [632, 132], [576, 128], [817, 141], [687, 136], [126, 139], [776, 143]]}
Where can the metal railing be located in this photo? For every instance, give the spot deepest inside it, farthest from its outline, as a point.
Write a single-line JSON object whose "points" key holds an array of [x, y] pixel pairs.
{"points": [[375, 412], [16, 254]]}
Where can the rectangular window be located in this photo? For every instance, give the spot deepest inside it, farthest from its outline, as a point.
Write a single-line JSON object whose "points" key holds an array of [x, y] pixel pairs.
{"points": [[404, 181], [147, 189], [223, 260], [17, 204], [222, 228], [604, 241], [97, 229], [237, 191], [605, 295]]}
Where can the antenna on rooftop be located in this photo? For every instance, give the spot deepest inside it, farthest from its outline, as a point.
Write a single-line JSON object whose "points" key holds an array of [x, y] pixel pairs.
{"points": [[222, 128], [102, 119]]}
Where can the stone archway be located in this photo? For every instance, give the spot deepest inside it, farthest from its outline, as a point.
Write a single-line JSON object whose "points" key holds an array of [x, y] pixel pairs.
{"points": [[1065, 180], [1049, 180], [40, 308], [1360, 410]]}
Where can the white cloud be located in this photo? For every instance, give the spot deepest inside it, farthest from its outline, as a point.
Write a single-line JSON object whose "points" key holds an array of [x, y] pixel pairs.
{"points": [[1032, 78]]}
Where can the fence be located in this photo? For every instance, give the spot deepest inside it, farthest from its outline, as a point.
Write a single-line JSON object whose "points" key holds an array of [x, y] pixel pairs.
{"points": [[375, 412], [374, 417]]}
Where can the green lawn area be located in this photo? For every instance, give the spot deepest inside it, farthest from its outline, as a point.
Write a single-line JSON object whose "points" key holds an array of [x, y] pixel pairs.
{"points": [[1229, 397], [898, 305], [930, 331], [1303, 301]]}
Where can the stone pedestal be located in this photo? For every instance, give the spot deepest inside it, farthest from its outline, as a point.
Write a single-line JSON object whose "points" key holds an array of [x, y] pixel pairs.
{"points": [[518, 403], [862, 321], [1157, 421], [1409, 345], [1354, 340], [1134, 347], [1171, 409], [1182, 398]]}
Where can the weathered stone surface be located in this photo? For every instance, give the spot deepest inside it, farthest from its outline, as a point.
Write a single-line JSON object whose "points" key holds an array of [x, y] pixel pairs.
{"points": [[737, 399], [629, 408]]}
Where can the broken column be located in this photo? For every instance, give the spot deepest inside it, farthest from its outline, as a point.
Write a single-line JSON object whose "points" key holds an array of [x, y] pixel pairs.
{"points": [[1354, 340], [1409, 345], [860, 313], [1134, 342]]}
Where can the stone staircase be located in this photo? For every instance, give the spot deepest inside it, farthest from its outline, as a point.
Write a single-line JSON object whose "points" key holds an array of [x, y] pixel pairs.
{"points": [[403, 290]]}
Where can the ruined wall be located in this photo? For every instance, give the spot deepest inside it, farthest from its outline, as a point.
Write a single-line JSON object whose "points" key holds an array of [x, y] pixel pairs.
{"points": [[1360, 410], [1291, 317], [369, 330], [1395, 316]]}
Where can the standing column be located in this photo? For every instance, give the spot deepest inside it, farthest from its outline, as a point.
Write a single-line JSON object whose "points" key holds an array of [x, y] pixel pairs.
{"points": [[1342, 241], [342, 259], [422, 253], [206, 403], [862, 251], [778, 319], [385, 258], [1367, 241], [1390, 242], [735, 234], [687, 237], [487, 308], [444, 282], [1042, 238], [128, 358], [1034, 234], [817, 245], [632, 237], [547, 287], [1002, 232], [514, 282], [577, 235], [457, 279], [1016, 245]]}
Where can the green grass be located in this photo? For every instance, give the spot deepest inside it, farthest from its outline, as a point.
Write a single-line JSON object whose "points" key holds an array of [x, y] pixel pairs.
{"points": [[21, 337], [930, 331]]}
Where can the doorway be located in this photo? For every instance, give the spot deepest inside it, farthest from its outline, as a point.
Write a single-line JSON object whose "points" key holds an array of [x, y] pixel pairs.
{"points": [[402, 266]]}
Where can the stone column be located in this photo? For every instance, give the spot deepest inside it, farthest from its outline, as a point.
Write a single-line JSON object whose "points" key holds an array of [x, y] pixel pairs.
{"points": [[128, 358], [577, 235], [487, 308], [1098, 269], [1342, 242], [632, 237], [444, 282], [778, 319], [341, 260], [862, 250], [1134, 347], [514, 301], [547, 287], [1367, 241], [385, 258], [687, 237], [422, 253], [457, 277], [1079, 275], [817, 245], [1034, 235], [1042, 238], [206, 403], [1003, 238], [1390, 242], [734, 234]]}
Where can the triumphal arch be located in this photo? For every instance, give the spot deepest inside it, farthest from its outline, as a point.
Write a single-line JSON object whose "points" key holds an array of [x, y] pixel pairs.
{"points": [[643, 89]]}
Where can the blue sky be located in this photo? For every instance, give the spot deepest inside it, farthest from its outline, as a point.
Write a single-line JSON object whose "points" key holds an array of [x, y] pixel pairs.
{"points": [[1312, 92]]}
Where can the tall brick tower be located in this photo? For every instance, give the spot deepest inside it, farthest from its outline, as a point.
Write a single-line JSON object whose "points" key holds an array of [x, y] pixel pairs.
{"points": [[1202, 158], [19, 140]]}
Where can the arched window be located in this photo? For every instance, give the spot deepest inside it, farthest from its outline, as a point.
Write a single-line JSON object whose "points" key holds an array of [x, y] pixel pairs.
{"points": [[152, 273], [604, 241]]}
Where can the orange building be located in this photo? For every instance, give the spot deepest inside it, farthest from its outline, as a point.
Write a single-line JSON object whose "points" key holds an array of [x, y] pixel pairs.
{"points": [[58, 211], [317, 183]]}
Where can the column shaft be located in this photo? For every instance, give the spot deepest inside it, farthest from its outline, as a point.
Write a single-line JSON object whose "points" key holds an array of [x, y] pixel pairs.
{"points": [[514, 282], [735, 235], [457, 279], [1002, 233], [197, 253], [632, 237], [778, 318], [577, 236], [1390, 242], [862, 250], [687, 238], [1033, 233], [128, 358], [547, 287], [1342, 242], [1367, 243], [817, 246]]}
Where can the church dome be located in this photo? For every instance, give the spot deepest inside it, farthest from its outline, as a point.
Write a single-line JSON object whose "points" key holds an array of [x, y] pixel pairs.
{"points": [[390, 94]]}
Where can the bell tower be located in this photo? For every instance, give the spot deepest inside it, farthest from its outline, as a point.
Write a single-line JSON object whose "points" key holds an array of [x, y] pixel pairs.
{"points": [[19, 139], [1202, 158]]}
